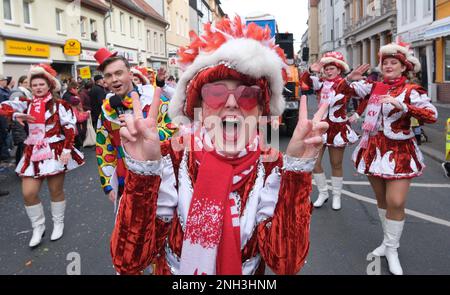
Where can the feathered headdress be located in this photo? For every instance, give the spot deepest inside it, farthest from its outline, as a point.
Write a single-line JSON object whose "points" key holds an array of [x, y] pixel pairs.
{"points": [[234, 50]]}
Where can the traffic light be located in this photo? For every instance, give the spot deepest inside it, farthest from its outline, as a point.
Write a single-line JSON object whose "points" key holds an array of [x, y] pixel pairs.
{"points": [[305, 54]]}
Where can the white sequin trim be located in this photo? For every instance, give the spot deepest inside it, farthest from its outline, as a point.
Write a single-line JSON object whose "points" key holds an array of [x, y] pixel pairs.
{"points": [[298, 164], [143, 167]]}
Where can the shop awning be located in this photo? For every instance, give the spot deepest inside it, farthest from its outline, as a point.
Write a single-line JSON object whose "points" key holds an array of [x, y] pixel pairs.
{"points": [[439, 28]]}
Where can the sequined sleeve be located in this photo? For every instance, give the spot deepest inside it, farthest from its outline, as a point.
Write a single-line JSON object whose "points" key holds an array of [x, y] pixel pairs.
{"points": [[284, 239], [420, 107], [146, 208]]}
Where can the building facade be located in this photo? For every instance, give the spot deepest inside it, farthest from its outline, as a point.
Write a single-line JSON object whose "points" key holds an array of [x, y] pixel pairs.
{"points": [[132, 27], [369, 24], [28, 38], [331, 14], [413, 19], [439, 33], [177, 14], [313, 31]]}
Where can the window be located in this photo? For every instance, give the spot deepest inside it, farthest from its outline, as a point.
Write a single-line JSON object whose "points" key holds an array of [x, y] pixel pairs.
{"points": [[131, 27], [83, 27], [59, 20], [93, 26], [27, 12], [413, 10], [427, 7], [111, 21], [161, 44], [7, 10], [155, 42], [404, 11], [178, 23], [122, 22], [149, 46], [447, 59], [139, 29], [336, 29]]}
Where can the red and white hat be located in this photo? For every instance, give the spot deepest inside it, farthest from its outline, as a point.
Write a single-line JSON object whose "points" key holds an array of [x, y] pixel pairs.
{"points": [[141, 73], [48, 72], [401, 51], [230, 50], [335, 58]]}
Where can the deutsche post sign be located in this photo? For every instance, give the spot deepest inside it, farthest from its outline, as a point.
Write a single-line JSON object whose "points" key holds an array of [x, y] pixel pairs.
{"points": [[85, 73], [72, 47], [13, 47]]}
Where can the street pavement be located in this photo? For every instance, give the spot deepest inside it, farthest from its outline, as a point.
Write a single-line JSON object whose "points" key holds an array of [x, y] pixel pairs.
{"points": [[340, 240]]}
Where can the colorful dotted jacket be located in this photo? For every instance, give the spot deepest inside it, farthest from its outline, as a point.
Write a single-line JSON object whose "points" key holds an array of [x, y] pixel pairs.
{"points": [[109, 148]]}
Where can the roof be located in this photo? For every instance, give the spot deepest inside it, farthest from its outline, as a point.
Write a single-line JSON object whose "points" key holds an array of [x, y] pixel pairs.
{"points": [[140, 7], [150, 11], [100, 4]]}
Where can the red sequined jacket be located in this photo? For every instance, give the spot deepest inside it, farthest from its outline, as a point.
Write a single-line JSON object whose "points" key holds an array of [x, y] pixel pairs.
{"points": [[337, 110], [275, 211], [396, 123], [59, 119]]}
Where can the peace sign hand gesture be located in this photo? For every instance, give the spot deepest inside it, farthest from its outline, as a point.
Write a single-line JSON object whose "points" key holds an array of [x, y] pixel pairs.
{"points": [[139, 135], [306, 140]]}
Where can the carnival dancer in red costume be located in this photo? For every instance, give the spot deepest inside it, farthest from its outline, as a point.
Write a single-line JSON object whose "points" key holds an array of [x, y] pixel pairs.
{"points": [[49, 152], [388, 152], [212, 202], [332, 66]]}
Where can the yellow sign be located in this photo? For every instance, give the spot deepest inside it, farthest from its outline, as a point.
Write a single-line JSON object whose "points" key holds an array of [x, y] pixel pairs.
{"points": [[14, 47], [85, 73], [447, 146], [72, 47]]}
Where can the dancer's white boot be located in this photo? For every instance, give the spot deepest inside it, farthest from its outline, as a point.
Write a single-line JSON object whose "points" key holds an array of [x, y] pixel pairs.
{"points": [[393, 234], [58, 209], [380, 250], [336, 184], [37, 218], [321, 182]]}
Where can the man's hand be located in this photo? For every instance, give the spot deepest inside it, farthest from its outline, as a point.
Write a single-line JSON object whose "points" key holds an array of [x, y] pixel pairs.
{"points": [[112, 196]]}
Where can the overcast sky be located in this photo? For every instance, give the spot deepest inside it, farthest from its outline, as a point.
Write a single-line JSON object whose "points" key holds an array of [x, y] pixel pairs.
{"points": [[291, 15]]}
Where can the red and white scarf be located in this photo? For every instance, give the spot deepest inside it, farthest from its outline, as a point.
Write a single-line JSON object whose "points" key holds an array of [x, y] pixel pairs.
{"points": [[211, 242], [374, 106], [327, 90], [36, 137]]}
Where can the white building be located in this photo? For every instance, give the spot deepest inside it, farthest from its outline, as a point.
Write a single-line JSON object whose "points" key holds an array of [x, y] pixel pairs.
{"points": [[34, 32], [414, 17], [331, 26], [338, 26]]}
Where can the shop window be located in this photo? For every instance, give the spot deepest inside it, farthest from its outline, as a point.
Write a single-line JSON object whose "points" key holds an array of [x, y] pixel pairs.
{"points": [[447, 59], [7, 10]]}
